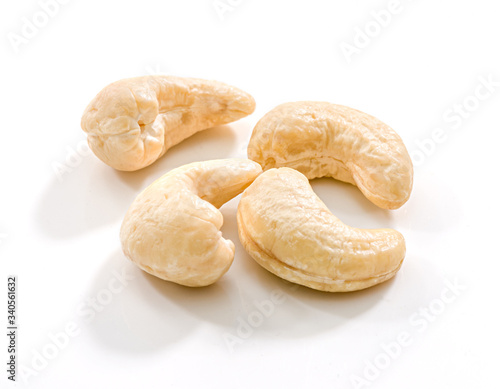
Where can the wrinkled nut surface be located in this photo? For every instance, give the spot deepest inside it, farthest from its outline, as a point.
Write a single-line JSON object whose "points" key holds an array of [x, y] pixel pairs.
{"points": [[133, 122], [289, 231], [172, 229], [323, 139]]}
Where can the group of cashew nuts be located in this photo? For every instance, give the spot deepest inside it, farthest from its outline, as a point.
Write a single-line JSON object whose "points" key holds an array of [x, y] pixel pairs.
{"points": [[172, 229]]}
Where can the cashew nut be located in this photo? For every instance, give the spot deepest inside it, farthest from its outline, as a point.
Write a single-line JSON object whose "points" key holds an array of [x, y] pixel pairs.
{"points": [[322, 139], [289, 231], [133, 122], [172, 229]]}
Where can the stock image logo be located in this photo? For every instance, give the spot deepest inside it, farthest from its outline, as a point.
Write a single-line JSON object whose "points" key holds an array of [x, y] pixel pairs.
{"points": [[74, 158], [223, 7], [33, 24], [246, 326], [373, 28], [86, 311], [455, 117], [418, 322]]}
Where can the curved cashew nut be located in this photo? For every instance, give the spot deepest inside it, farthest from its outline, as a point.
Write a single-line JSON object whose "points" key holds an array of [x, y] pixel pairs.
{"points": [[172, 229], [288, 230], [322, 139], [133, 122]]}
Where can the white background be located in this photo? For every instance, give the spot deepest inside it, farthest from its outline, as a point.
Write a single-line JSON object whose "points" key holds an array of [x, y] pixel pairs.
{"points": [[61, 207]]}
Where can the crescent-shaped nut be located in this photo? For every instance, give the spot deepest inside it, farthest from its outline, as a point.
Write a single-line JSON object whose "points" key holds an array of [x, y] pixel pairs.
{"points": [[289, 231], [133, 122], [322, 139], [172, 229]]}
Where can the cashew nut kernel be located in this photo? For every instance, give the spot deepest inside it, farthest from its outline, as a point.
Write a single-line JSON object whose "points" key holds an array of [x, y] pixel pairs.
{"points": [[133, 122], [323, 139], [172, 229], [289, 231]]}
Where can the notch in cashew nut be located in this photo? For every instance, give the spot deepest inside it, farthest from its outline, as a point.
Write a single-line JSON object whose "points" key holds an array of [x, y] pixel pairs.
{"points": [[172, 229], [133, 122], [289, 231], [323, 139]]}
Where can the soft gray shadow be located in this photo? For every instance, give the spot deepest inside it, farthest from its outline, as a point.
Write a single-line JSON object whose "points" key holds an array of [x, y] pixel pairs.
{"points": [[88, 197], [308, 310], [347, 203], [211, 303], [214, 143], [303, 311], [140, 318], [93, 194]]}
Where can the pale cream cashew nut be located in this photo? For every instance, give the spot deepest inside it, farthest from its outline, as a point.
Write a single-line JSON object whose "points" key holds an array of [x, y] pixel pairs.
{"points": [[323, 139], [289, 231], [172, 229], [133, 122]]}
